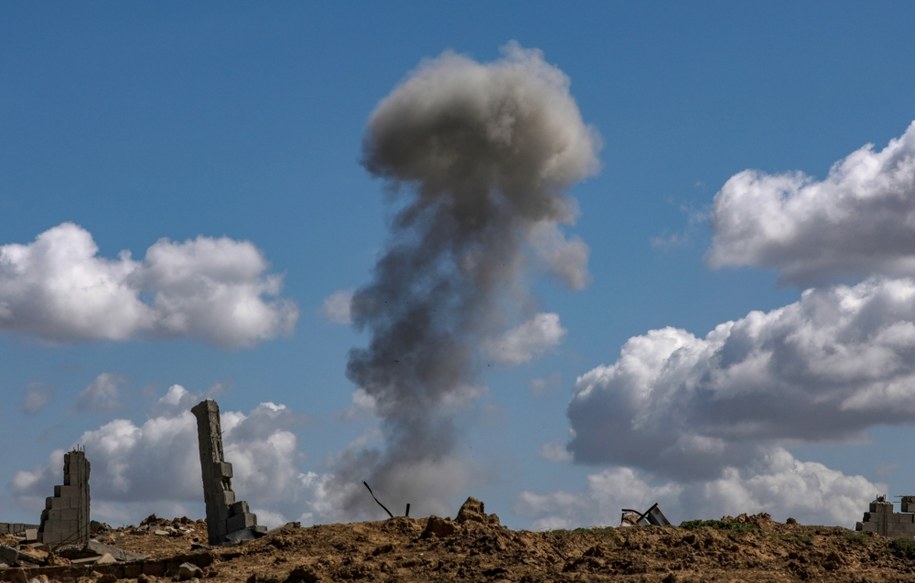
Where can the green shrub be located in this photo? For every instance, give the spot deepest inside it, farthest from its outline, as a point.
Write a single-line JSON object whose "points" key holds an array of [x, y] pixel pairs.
{"points": [[903, 547], [856, 538]]}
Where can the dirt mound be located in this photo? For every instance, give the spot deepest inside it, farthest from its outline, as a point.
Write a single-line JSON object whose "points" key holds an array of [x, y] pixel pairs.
{"points": [[474, 546]]}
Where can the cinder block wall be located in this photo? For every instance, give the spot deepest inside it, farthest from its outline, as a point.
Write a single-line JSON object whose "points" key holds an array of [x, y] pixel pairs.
{"points": [[65, 519]]}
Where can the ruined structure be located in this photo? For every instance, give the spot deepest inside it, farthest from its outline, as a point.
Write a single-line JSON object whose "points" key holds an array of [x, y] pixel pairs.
{"points": [[65, 518], [227, 520], [882, 520], [652, 516], [18, 528]]}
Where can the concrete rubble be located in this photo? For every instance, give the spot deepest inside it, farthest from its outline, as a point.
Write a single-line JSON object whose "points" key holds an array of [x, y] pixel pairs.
{"points": [[66, 543], [651, 517], [62, 539]]}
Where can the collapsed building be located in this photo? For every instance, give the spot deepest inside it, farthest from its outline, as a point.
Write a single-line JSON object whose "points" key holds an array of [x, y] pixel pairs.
{"points": [[881, 519]]}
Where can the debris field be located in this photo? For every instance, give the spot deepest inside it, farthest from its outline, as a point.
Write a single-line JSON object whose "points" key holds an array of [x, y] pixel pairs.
{"points": [[473, 546]]}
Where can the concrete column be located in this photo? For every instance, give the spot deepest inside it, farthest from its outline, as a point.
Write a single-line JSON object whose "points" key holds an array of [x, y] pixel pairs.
{"points": [[226, 518], [65, 519]]}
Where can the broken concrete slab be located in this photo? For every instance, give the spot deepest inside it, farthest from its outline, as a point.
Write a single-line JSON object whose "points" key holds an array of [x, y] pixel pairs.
{"points": [[651, 517], [9, 555], [119, 554]]}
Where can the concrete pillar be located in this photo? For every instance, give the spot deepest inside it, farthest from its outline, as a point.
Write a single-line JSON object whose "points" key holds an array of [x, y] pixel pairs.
{"points": [[65, 519], [227, 519]]}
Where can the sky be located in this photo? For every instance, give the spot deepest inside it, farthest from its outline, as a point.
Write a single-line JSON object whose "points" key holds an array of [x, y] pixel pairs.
{"points": [[566, 262]]}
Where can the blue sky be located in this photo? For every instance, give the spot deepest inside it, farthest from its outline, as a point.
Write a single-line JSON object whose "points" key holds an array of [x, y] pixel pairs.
{"points": [[226, 140]]}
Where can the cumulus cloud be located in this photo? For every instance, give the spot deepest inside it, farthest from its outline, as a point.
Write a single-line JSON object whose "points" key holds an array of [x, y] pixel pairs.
{"points": [[827, 367], [336, 307], [857, 222], [35, 398], [212, 289], [154, 466], [531, 339], [555, 452], [103, 394], [776, 483]]}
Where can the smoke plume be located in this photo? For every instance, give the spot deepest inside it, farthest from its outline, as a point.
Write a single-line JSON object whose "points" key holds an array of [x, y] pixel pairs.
{"points": [[477, 158]]}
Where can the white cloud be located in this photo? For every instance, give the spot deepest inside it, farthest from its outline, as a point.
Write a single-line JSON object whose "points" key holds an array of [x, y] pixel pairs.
{"points": [[103, 394], [858, 221], [35, 398], [555, 452], [216, 290], [829, 366], [337, 307], [546, 385], [778, 484], [531, 339], [608, 492]]}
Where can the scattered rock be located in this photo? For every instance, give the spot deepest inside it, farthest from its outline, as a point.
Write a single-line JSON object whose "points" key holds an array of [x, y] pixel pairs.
{"points": [[187, 571], [106, 559], [471, 509], [437, 526]]}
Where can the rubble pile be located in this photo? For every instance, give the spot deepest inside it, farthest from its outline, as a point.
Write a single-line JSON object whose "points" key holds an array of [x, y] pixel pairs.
{"points": [[471, 546]]}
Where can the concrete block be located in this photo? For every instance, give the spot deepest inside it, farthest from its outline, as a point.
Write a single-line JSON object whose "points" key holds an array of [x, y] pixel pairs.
{"points": [[67, 492], [240, 521], [9, 555], [118, 553], [63, 514], [223, 469], [240, 507]]}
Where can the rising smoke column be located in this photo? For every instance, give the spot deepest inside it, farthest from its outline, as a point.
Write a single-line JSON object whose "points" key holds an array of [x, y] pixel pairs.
{"points": [[477, 157]]}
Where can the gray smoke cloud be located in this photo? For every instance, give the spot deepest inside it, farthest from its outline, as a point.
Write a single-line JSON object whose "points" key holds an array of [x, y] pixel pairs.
{"points": [[478, 158]]}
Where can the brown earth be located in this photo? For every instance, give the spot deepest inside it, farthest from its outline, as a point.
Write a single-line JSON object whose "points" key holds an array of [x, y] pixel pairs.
{"points": [[475, 547]]}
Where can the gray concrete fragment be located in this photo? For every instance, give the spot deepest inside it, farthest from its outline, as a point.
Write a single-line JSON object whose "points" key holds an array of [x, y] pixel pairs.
{"points": [[9, 555], [119, 554], [187, 571]]}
